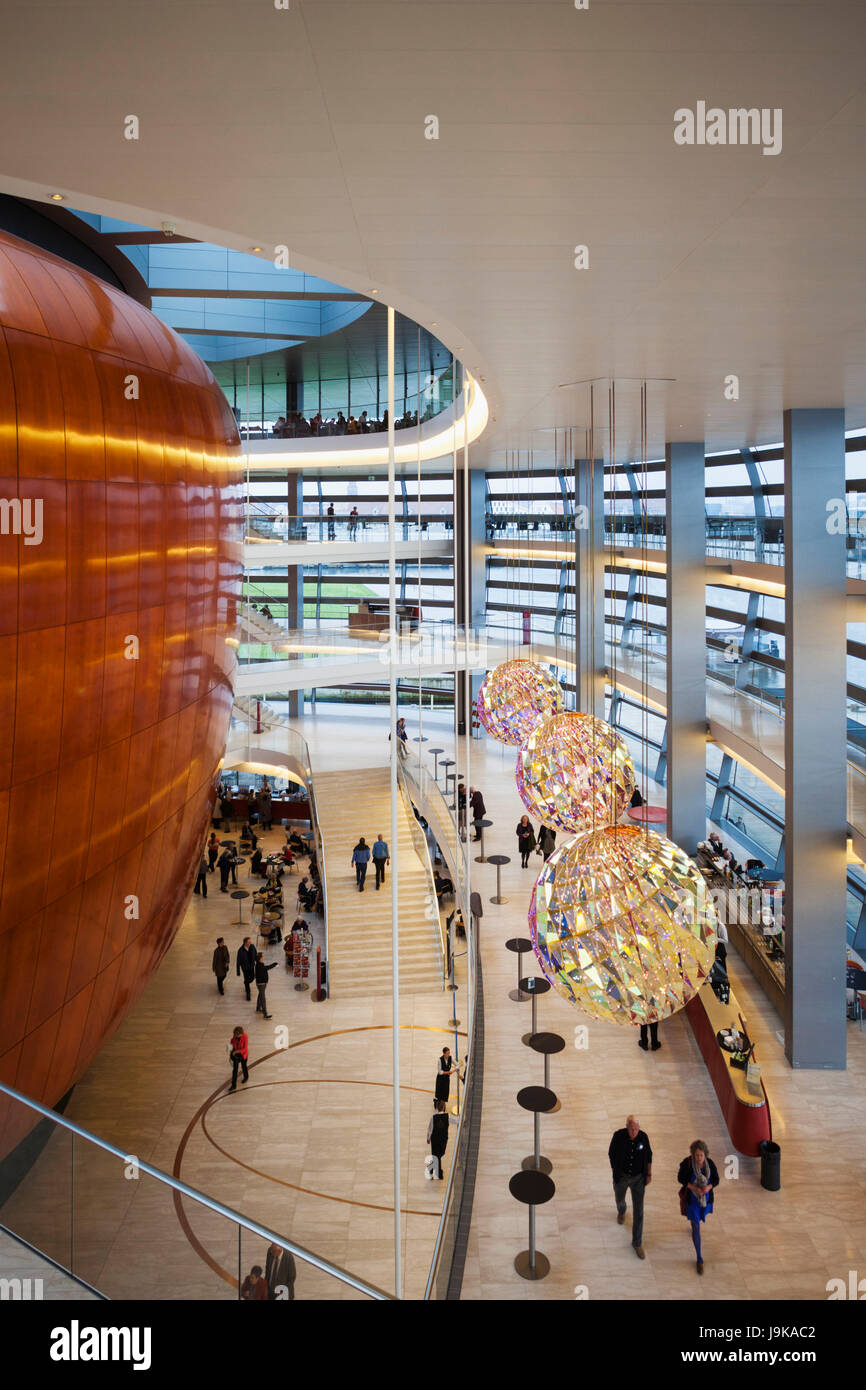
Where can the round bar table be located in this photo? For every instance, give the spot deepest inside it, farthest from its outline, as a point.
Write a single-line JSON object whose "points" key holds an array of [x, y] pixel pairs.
{"points": [[647, 815], [449, 776], [547, 1044], [420, 738], [533, 1188], [436, 752], [485, 825], [240, 894], [539, 1101], [518, 944], [498, 860], [533, 985]]}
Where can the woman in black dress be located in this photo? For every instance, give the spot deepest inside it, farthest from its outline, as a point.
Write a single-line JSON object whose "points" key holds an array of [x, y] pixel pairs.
{"points": [[444, 1068], [437, 1133], [525, 839]]}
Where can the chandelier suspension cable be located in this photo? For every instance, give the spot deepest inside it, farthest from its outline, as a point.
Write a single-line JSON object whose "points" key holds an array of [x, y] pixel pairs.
{"points": [[644, 563], [418, 527]]}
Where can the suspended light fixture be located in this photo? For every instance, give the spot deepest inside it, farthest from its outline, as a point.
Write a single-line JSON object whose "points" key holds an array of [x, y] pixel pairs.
{"points": [[575, 773], [514, 697], [623, 925]]}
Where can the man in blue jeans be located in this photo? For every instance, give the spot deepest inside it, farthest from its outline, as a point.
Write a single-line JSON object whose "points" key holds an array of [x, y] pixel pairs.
{"points": [[631, 1163], [381, 857]]}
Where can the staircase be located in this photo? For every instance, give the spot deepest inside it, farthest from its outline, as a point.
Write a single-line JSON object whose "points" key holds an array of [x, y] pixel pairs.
{"points": [[349, 805], [260, 628], [256, 711]]}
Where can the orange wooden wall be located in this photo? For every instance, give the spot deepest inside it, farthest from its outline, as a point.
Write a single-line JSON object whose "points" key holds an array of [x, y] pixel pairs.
{"points": [[106, 764]]}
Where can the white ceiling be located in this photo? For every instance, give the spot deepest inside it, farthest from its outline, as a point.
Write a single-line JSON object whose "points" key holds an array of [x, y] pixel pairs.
{"points": [[306, 127]]}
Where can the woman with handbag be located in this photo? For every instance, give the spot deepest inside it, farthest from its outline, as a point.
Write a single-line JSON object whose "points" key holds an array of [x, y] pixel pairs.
{"points": [[239, 1051], [525, 840], [698, 1176]]}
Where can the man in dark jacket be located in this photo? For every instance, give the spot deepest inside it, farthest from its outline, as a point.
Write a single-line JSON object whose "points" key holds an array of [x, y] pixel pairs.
{"points": [[261, 974], [246, 963], [201, 881], [479, 811], [220, 964], [631, 1165], [280, 1274], [224, 864]]}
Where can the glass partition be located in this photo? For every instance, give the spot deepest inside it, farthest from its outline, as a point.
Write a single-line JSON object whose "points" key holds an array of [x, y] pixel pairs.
{"points": [[130, 1231]]}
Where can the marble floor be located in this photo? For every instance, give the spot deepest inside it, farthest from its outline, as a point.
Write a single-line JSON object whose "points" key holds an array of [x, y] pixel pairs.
{"points": [[306, 1147]]}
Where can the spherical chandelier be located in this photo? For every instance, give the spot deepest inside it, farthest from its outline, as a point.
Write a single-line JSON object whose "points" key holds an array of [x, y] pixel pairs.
{"points": [[514, 697], [623, 925], [575, 773]]}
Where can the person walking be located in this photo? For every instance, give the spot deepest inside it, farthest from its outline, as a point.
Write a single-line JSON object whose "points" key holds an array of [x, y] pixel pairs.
{"points": [[479, 810], [220, 964], [280, 1274], [381, 857], [246, 963], [265, 807], [546, 842], [353, 523], [525, 840], [331, 530], [233, 865], [698, 1176], [631, 1166], [361, 858], [225, 864], [239, 1051], [445, 1066], [437, 1133], [213, 851], [402, 739], [654, 1036], [201, 880], [261, 979]]}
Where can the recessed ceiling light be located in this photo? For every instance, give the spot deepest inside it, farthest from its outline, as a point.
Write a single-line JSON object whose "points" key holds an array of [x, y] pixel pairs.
{"points": [[434, 324], [58, 197], [255, 248], [374, 291]]}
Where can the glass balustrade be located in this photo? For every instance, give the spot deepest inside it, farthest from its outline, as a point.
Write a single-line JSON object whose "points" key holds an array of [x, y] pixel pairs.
{"points": [[131, 1231], [267, 525]]}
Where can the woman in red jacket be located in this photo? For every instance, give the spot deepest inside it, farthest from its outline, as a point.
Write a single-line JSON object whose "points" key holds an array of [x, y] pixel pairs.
{"points": [[239, 1051]]}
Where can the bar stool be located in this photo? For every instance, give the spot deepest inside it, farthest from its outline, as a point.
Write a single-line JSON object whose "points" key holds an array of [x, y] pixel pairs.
{"points": [[436, 752], [519, 944], [547, 1044], [239, 894], [539, 1101], [485, 825], [498, 860], [449, 776], [533, 985], [533, 1188]]}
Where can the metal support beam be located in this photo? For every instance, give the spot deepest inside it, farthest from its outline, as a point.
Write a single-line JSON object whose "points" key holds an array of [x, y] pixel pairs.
{"points": [[589, 577], [685, 550], [815, 739], [295, 583]]}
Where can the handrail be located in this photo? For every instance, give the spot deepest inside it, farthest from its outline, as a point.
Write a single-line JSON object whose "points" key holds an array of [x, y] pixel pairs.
{"points": [[422, 849], [344, 1275]]}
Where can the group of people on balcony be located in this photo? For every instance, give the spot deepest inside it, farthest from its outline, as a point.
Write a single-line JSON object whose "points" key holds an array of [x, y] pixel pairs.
{"points": [[297, 426]]}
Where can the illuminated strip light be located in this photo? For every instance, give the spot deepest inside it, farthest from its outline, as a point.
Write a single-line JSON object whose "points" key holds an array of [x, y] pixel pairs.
{"points": [[434, 446]]}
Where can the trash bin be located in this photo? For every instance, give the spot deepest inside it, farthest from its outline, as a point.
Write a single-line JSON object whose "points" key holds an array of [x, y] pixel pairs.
{"points": [[771, 1166]]}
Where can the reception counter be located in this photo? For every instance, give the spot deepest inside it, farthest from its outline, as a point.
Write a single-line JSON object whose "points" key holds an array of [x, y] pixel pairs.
{"points": [[746, 1110], [295, 811]]}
